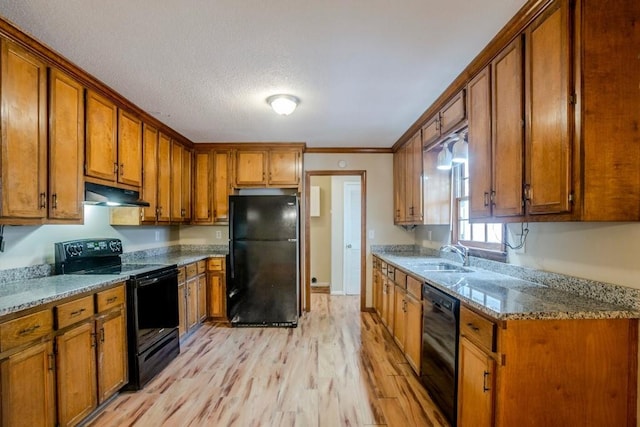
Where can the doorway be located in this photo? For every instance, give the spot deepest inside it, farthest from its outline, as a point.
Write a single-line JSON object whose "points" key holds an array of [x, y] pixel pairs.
{"points": [[352, 258]]}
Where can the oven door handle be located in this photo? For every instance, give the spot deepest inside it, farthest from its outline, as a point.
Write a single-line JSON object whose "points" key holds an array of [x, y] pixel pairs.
{"points": [[155, 279]]}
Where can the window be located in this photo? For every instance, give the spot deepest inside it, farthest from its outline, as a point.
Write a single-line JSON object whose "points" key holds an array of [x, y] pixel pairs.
{"points": [[477, 235]]}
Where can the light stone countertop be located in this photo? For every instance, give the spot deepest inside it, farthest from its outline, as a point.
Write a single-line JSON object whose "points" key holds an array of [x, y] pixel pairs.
{"points": [[504, 297], [28, 293]]}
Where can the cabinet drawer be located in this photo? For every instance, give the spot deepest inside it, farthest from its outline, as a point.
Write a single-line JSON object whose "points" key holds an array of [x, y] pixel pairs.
{"points": [[110, 298], [383, 267], [25, 329], [201, 266], [477, 329], [215, 264], [181, 275], [414, 287], [74, 311], [401, 279], [192, 270], [391, 272]]}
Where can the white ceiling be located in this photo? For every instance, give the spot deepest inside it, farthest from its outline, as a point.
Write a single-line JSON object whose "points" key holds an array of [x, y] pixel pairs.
{"points": [[364, 70]]}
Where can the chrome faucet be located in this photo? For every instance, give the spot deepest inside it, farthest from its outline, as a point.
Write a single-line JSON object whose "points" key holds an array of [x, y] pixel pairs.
{"points": [[460, 250]]}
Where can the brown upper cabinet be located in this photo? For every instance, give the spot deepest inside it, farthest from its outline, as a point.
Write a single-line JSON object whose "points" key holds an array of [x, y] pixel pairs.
{"points": [[164, 178], [101, 144], [129, 149], [450, 118], [150, 173], [436, 190], [177, 207], [408, 207], [23, 98], [187, 184], [268, 167], [211, 186], [66, 148]]}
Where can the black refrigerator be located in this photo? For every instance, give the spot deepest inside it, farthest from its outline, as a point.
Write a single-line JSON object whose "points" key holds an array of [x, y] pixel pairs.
{"points": [[263, 276]]}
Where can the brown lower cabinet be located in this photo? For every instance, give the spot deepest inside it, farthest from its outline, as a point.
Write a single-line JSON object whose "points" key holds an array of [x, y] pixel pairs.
{"points": [[76, 365], [546, 372], [192, 296], [217, 292]]}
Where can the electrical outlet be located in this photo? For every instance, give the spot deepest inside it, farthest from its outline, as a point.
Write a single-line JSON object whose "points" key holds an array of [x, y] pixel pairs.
{"points": [[429, 235], [218, 234], [157, 236]]}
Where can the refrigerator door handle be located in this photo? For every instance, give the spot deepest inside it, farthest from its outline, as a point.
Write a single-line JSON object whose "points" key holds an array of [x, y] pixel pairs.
{"points": [[231, 241]]}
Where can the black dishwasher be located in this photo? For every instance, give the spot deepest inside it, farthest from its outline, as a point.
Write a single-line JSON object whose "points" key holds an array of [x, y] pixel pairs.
{"points": [[440, 348]]}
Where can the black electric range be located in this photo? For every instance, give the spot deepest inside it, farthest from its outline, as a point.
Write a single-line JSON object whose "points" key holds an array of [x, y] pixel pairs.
{"points": [[152, 301]]}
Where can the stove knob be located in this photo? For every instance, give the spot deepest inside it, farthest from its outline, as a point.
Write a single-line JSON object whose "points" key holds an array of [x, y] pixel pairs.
{"points": [[69, 250], [79, 248], [115, 246]]}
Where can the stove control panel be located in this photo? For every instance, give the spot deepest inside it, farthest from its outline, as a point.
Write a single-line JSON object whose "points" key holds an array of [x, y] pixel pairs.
{"points": [[87, 248]]}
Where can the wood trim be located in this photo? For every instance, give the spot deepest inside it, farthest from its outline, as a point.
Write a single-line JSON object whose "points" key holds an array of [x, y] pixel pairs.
{"points": [[249, 145], [348, 150], [307, 232], [510, 31], [12, 32]]}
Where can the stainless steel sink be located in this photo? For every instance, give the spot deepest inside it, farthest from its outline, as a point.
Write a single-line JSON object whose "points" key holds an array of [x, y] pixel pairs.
{"points": [[444, 267]]}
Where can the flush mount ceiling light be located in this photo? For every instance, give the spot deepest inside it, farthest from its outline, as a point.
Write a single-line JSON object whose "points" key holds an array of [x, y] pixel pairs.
{"points": [[460, 149], [283, 104], [444, 158]]}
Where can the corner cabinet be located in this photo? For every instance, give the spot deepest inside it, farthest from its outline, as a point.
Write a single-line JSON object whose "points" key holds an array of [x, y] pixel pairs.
{"points": [[23, 104], [502, 361], [268, 167]]}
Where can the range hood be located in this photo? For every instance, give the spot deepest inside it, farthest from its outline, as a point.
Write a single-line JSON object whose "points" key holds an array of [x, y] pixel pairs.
{"points": [[102, 195]]}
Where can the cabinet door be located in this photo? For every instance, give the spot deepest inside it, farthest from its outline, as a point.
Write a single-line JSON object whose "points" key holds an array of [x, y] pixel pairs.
{"points": [[221, 186], [549, 111], [76, 376], [177, 212], [28, 387], [203, 192], [284, 167], [129, 149], [216, 295], [431, 131], [408, 182], [250, 168], [23, 98], [377, 290], [479, 106], [149, 172], [416, 179], [391, 299], [192, 302], [187, 184], [66, 147], [508, 121], [384, 315], [413, 338], [399, 331], [111, 333], [399, 186], [101, 133], [202, 297], [475, 386], [182, 309], [164, 178], [453, 114]]}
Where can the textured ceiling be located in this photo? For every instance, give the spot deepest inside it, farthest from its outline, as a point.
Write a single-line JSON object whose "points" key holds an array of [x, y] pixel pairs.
{"points": [[364, 70]]}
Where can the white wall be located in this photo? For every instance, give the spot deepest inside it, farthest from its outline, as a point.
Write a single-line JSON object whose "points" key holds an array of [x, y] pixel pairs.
{"points": [[31, 245], [379, 207], [320, 232], [204, 235]]}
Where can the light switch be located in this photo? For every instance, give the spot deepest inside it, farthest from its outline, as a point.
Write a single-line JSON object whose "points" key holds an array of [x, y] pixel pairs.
{"points": [[218, 234], [372, 234]]}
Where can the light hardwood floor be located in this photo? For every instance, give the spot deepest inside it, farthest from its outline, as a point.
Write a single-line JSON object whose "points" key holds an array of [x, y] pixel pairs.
{"points": [[338, 368]]}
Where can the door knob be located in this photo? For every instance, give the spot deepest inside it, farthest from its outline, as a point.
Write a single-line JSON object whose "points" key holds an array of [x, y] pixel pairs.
{"points": [[348, 246]]}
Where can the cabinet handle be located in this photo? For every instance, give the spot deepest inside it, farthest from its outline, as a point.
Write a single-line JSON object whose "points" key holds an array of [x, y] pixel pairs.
{"points": [[474, 327], [54, 201], [484, 382], [112, 299], [121, 169], [51, 361], [183, 212], [115, 168], [94, 340], [492, 198], [43, 200], [77, 312], [101, 334], [486, 199], [28, 330]]}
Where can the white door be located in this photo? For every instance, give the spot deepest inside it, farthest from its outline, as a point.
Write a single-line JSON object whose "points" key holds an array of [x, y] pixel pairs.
{"points": [[351, 264]]}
